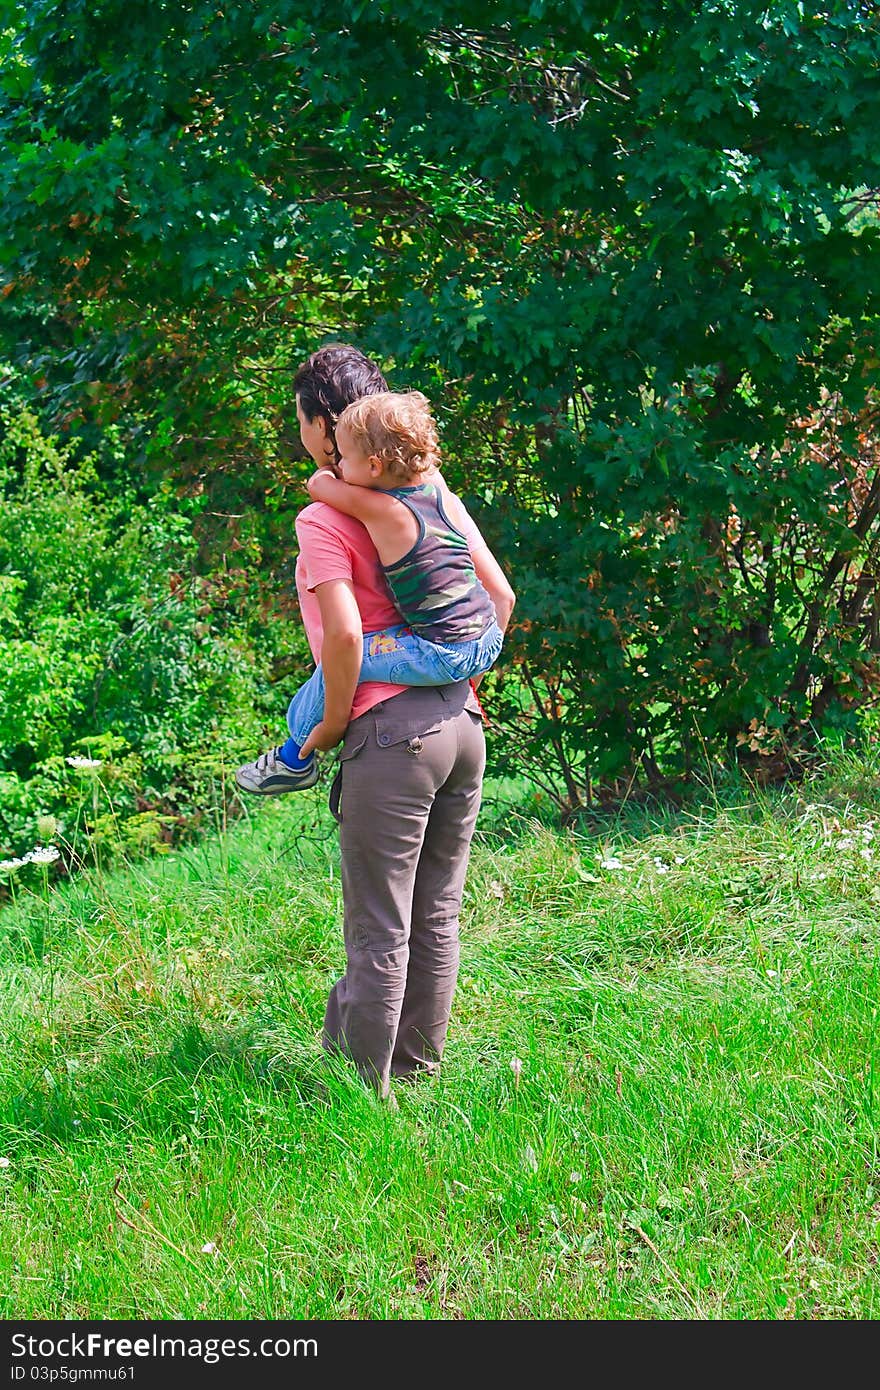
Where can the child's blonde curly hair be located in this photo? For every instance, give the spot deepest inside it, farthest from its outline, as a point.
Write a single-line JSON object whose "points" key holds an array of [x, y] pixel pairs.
{"points": [[397, 428]]}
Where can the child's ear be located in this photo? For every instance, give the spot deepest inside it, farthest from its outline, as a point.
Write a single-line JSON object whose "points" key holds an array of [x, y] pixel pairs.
{"points": [[377, 467]]}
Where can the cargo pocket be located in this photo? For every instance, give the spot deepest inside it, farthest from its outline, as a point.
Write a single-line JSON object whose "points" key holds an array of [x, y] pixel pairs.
{"points": [[393, 727]]}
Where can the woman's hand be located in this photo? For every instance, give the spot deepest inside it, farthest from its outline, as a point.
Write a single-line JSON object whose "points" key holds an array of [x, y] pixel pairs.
{"points": [[323, 737]]}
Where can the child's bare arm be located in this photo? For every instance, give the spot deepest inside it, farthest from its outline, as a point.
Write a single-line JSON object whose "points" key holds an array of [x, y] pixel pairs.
{"points": [[366, 504]]}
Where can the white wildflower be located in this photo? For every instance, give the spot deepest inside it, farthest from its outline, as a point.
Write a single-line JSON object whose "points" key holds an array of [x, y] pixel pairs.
{"points": [[4, 1162], [209, 1248], [679, 859], [84, 764], [660, 866], [41, 855], [610, 862], [10, 865]]}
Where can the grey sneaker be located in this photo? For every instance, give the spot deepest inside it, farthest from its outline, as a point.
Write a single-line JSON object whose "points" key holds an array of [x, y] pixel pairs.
{"points": [[269, 776]]}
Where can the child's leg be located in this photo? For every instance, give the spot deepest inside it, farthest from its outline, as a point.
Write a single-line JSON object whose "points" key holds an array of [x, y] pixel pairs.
{"points": [[464, 660], [395, 655], [290, 754], [488, 649], [305, 710], [282, 769], [398, 656]]}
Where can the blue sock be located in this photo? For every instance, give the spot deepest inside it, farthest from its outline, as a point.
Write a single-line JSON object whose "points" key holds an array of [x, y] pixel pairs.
{"points": [[289, 755]]}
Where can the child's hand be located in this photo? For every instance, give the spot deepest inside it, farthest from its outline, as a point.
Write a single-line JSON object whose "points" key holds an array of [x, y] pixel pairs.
{"points": [[323, 737], [326, 471]]}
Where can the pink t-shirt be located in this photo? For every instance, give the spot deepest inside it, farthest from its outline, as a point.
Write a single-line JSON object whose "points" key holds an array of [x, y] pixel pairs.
{"points": [[335, 546]]}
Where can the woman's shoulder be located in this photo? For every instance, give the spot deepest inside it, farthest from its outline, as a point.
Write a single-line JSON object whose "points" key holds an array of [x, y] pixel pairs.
{"points": [[435, 481], [455, 510]]}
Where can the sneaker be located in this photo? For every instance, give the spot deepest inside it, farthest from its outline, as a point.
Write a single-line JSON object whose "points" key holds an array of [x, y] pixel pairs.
{"points": [[269, 776]]}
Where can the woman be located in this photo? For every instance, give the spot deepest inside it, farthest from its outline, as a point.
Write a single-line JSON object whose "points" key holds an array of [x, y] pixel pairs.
{"points": [[407, 792]]}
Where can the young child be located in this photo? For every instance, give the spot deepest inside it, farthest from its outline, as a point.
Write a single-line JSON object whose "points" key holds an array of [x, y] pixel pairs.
{"points": [[389, 481]]}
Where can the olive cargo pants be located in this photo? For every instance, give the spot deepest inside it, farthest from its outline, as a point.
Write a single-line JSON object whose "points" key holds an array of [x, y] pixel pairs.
{"points": [[406, 797]]}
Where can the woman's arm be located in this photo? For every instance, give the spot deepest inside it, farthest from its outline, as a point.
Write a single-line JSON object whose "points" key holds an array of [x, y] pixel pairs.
{"points": [[342, 650], [494, 581], [489, 572], [365, 503]]}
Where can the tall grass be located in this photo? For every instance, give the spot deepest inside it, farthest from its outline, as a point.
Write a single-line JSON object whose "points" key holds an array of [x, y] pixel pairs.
{"points": [[659, 1097]]}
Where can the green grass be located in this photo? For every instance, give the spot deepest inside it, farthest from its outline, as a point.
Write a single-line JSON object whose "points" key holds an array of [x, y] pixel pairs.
{"points": [[692, 1132]]}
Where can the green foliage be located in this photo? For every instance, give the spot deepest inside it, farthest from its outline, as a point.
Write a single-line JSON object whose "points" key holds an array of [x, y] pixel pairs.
{"points": [[631, 252], [114, 651], [658, 1098]]}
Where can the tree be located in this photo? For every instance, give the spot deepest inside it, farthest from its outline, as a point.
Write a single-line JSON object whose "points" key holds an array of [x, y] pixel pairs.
{"points": [[625, 249]]}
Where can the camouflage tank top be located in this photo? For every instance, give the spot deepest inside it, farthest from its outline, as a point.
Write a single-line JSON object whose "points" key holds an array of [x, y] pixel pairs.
{"points": [[434, 585]]}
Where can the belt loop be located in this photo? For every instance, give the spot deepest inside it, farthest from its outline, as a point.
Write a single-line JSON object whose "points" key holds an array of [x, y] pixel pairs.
{"points": [[335, 794]]}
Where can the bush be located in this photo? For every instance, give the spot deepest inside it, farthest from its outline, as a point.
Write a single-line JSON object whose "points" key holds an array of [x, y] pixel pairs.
{"points": [[115, 650]]}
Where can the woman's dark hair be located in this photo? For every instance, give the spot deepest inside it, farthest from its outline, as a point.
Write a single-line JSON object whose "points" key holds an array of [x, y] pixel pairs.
{"points": [[333, 378]]}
